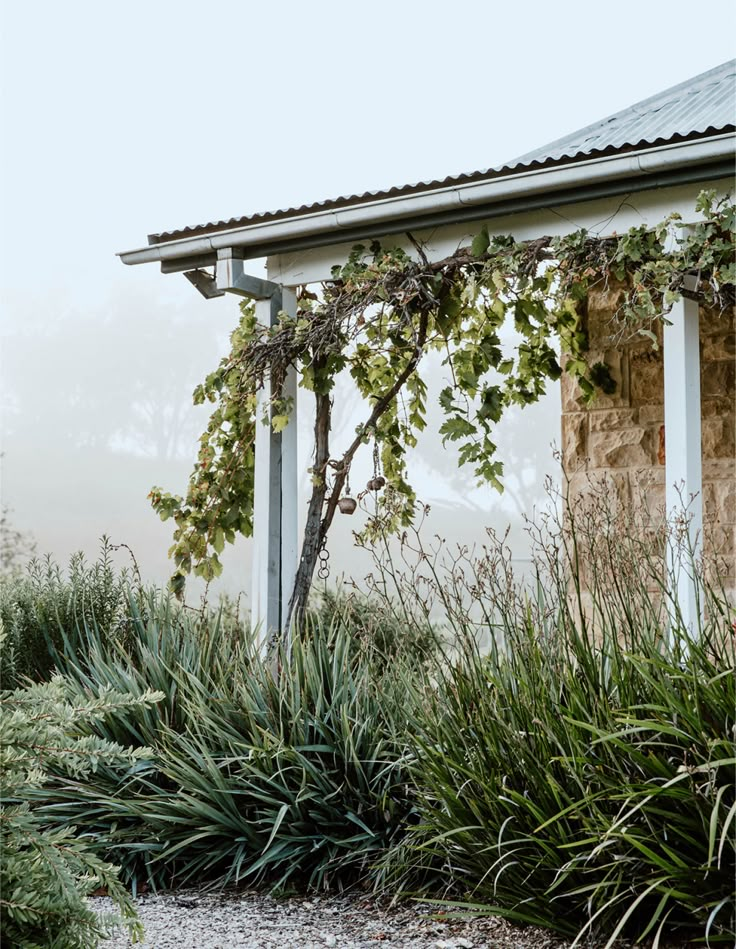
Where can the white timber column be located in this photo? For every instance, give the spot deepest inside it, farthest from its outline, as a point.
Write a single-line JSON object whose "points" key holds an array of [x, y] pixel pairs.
{"points": [[683, 458], [275, 503], [289, 480], [265, 608]]}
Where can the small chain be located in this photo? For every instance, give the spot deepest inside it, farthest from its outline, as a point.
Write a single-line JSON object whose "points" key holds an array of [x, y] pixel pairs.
{"points": [[376, 460], [323, 571]]}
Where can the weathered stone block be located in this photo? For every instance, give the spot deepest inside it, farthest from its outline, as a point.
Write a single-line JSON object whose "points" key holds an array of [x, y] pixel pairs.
{"points": [[651, 414], [709, 500], [719, 469], [614, 485], [570, 394], [646, 377], [654, 502], [714, 348], [718, 379], [717, 438], [644, 477], [720, 501], [621, 488], [720, 540], [648, 494], [717, 406], [648, 501], [574, 439], [608, 297], [711, 321], [607, 420], [602, 325], [627, 448]]}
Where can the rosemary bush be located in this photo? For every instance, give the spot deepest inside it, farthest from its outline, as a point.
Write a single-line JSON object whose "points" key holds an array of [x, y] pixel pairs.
{"points": [[44, 610], [47, 873]]}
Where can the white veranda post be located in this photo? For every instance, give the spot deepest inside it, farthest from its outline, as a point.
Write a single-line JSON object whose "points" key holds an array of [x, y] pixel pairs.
{"points": [[275, 506], [683, 458], [289, 480]]}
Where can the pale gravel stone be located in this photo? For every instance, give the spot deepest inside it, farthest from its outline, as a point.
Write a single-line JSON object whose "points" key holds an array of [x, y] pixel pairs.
{"points": [[247, 920]]}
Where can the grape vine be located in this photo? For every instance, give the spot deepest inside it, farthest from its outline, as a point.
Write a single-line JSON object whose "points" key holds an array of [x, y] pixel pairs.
{"points": [[381, 313]]}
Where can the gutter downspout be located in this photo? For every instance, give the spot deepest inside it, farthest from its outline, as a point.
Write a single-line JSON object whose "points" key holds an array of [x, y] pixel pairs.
{"points": [[275, 507]]}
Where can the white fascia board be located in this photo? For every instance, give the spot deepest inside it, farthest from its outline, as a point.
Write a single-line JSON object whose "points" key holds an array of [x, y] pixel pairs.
{"points": [[452, 204], [601, 217]]}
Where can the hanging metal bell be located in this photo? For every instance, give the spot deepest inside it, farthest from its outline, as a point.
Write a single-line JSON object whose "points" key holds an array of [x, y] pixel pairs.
{"points": [[375, 484], [347, 505]]}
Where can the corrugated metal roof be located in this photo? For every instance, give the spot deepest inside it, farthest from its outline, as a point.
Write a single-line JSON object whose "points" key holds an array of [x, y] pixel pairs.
{"points": [[706, 103], [699, 107]]}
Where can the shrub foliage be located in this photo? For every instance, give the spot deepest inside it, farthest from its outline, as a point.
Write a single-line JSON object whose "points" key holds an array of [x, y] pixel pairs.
{"points": [[47, 873], [43, 611]]}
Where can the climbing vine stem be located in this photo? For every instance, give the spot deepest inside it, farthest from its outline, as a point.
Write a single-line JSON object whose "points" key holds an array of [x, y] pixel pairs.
{"points": [[383, 311]]}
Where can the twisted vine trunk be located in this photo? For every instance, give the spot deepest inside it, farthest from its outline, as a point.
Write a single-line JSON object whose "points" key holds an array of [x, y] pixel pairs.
{"points": [[314, 532], [317, 526]]}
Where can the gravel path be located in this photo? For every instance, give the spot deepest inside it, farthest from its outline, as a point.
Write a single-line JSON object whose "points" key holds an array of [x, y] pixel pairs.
{"points": [[190, 919]]}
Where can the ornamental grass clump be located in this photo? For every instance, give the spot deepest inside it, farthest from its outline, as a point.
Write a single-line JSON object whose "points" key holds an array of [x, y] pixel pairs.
{"points": [[260, 770], [297, 775], [600, 802], [162, 647], [579, 772], [47, 873]]}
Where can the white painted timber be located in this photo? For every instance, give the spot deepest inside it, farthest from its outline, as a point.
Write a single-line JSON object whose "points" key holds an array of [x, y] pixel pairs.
{"points": [[683, 458], [289, 482], [266, 570]]}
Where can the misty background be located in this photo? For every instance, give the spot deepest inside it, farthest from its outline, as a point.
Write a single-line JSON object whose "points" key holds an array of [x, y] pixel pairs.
{"points": [[124, 120]]}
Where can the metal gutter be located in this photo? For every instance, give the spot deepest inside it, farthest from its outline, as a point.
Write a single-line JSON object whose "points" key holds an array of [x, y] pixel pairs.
{"points": [[680, 163]]}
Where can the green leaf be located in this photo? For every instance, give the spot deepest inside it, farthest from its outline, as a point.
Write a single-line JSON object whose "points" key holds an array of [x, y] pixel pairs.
{"points": [[456, 427], [218, 540], [279, 423], [492, 404], [481, 242]]}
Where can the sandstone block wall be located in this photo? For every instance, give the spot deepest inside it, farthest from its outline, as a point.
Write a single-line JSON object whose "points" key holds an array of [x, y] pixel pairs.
{"points": [[622, 436]]}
